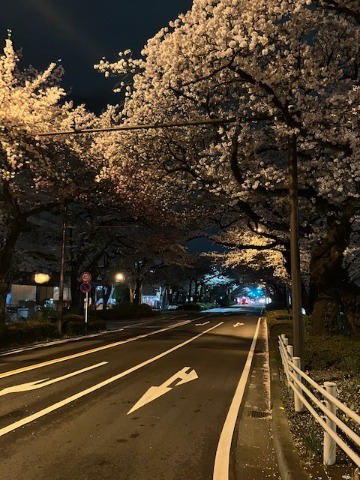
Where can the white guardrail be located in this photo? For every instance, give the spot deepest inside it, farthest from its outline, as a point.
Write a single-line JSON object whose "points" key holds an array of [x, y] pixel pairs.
{"points": [[325, 401]]}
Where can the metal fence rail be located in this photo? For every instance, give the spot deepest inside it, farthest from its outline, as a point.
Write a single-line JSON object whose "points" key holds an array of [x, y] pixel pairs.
{"points": [[326, 401]]}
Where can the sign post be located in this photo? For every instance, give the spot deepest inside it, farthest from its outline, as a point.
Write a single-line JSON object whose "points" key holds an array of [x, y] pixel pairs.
{"points": [[85, 287], [86, 309]]}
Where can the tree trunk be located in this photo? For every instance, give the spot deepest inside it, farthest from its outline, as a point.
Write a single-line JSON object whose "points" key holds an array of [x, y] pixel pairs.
{"points": [[324, 316], [166, 297], [137, 292], [77, 304], [278, 293], [329, 279], [6, 261], [190, 287], [201, 292], [4, 290], [351, 304], [196, 291]]}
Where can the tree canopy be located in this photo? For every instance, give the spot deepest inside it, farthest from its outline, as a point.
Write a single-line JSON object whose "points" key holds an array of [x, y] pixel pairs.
{"points": [[288, 73]]}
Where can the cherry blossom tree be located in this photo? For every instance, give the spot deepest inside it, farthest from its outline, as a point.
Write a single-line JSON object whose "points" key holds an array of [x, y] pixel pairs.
{"points": [[36, 174], [149, 249], [96, 234], [287, 74]]}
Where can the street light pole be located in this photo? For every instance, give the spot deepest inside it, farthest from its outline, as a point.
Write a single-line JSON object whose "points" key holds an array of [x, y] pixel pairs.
{"points": [[294, 250]]}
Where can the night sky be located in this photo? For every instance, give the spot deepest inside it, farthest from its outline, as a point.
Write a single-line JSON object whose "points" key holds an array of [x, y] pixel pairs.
{"points": [[80, 33]]}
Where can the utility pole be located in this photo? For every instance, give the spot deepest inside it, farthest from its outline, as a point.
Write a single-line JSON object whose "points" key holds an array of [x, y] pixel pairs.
{"points": [[294, 250], [62, 270]]}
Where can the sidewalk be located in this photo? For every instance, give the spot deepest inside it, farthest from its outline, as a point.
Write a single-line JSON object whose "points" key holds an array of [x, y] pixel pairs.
{"points": [[263, 444]]}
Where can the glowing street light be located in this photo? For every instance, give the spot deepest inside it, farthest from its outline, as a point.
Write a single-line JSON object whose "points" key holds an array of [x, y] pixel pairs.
{"points": [[41, 278], [119, 277]]}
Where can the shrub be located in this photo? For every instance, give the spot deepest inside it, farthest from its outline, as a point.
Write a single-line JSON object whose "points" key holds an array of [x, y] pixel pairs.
{"points": [[194, 307], [144, 310], [126, 310], [75, 324], [74, 328], [37, 331], [326, 351], [96, 324], [278, 316], [276, 306], [21, 333], [44, 314]]}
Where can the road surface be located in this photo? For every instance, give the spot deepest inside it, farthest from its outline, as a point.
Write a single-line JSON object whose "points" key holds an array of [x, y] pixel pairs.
{"points": [[148, 401]]}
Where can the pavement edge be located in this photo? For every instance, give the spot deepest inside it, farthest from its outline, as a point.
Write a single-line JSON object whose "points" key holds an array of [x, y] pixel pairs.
{"points": [[287, 457]]}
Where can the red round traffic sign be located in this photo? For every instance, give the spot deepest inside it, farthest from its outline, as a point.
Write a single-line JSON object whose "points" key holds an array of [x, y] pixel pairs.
{"points": [[85, 287], [85, 277]]}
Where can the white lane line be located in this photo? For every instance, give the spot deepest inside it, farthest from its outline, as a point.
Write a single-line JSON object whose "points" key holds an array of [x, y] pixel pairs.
{"points": [[26, 387], [88, 352], [27, 348], [222, 458], [66, 401]]}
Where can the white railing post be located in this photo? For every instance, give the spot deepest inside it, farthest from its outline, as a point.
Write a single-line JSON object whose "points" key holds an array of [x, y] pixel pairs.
{"points": [[290, 351], [298, 404], [329, 442]]}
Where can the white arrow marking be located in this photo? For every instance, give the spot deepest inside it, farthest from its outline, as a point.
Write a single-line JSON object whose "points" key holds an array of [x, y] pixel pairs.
{"points": [[238, 324], [201, 324], [25, 387], [155, 392]]}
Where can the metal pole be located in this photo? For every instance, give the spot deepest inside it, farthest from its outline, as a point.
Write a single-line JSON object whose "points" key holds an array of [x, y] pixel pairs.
{"points": [[62, 270], [294, 250], [86, 310]]}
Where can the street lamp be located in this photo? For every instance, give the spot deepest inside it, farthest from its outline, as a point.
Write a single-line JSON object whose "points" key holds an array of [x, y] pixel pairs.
{"points": [[119, 277], [41, 278]]}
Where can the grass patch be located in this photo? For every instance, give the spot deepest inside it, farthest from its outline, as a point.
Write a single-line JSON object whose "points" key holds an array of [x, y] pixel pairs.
{"points": [[321, 351], [332, 351], [313, 444]]}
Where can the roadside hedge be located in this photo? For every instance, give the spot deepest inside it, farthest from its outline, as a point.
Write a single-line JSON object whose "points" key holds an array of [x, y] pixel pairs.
{"points": [[196, 307], [75, 324], [24, 332], [126, 310], [42, 326]]}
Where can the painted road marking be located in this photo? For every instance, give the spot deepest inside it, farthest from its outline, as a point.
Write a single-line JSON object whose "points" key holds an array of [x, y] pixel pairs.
{"points": [[201, 324], [155, 392], [67, 340], [88, 352], [66, 401], [26, 387], [222, 458], [238, 324]]}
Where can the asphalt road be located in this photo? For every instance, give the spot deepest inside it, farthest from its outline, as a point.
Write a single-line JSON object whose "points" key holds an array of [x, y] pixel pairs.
{"points": [[148, 401]]}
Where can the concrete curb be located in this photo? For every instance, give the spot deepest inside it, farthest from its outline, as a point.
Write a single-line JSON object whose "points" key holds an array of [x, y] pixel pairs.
{"points": [[288, 460]]}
